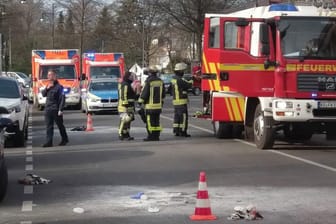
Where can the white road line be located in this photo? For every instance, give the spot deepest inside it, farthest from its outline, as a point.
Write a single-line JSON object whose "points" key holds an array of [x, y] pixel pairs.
{"points": [[29, 167], [304, 160], [28, 189], [292, 157], [191, 125], [27, 206], [273, 151], [29, 159], [29, 153], [26, 222]]}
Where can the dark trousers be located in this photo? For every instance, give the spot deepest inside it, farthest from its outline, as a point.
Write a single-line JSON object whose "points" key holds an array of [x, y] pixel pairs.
{"points": [[153, 124], [180, 125], [50, 118]]}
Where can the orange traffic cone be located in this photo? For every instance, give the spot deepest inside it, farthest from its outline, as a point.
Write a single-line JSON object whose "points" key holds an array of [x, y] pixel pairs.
{"points": [[89, 126], [202, 210]]}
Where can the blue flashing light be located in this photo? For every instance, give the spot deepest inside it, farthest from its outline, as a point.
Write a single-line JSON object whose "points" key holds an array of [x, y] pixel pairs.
{"points": [[314, 95], [90, 56], [283, 7], [71, 53], [117, 56], [66, 90], [41, 54]]}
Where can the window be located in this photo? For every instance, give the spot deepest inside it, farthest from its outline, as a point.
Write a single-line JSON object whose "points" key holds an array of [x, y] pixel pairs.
{"points": [[62, 71], [214, 33], [105, 71], [234, 36], [9, 89]]}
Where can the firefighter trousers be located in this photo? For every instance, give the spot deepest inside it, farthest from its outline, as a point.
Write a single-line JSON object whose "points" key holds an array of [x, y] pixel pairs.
{"points": [[180, 125], [153, 124], [125, 126]]}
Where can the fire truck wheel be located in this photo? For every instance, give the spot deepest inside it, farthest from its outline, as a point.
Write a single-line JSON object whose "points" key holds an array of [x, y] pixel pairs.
{"points": [[237, 130], [331, 131], [298, 131], [222, 129], [263, 132]]}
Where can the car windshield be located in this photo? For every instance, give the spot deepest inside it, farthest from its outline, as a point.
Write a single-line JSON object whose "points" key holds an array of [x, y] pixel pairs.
{"points": [[105, 71], [62, 71], [22, 75], [9, 89], [103, 86], [308, 37]]}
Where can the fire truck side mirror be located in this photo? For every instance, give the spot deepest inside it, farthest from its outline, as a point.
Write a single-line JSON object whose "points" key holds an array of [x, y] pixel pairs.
{"points": [[264, 39]]}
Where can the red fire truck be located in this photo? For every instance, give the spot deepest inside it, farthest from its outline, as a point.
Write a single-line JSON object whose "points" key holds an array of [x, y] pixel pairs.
{"points": [[66, 64], [268, 70], [103, 65]]}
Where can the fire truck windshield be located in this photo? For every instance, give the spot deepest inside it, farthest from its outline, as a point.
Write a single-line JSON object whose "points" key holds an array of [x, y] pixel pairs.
{"points": [[105, 72], [308, 37], [62, 71]]}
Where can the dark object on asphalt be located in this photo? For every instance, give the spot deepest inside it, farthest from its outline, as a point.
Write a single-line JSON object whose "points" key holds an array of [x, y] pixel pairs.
{"points": [[79, 128]]}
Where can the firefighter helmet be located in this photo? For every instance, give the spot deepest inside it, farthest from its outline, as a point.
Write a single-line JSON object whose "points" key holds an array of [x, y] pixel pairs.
{"points": [[180, 67], [153, 69]]}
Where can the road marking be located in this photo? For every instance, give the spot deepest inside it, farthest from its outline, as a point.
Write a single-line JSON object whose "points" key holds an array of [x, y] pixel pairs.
{"points": [[28, 190], [291, 156], [273, 151], [29, 167], [29, 159], [29, 153], [191, 125], [26, 222], [27, 206], [304, 160]]}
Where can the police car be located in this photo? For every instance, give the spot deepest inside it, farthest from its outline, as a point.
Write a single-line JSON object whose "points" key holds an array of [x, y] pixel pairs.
{"points": [[101, 94]]}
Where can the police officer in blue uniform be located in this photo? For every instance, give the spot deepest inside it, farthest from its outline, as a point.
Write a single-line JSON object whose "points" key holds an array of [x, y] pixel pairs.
{"points": [[55, 103]]}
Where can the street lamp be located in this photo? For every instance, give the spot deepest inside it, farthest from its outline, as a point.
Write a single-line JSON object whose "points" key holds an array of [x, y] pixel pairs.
{"points": [[52, 18]]}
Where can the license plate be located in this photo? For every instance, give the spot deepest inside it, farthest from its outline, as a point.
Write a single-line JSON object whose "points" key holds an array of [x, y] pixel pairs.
{"points": [[327, 105]]}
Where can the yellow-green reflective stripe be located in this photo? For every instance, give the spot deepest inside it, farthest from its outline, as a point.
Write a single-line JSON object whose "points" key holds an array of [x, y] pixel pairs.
{"points": [[152, 128]]}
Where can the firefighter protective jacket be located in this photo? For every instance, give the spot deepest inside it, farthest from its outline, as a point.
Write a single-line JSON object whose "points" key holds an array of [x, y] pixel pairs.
{"points": [[127, 97], [153, 93], [180, 88]]}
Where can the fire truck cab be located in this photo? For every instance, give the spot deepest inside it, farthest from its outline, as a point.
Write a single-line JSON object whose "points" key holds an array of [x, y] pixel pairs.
{"points": [[268, 69]]}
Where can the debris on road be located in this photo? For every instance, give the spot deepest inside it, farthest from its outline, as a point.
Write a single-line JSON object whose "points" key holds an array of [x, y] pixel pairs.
{"points": [[248, 213], [78, 210], [137, 196], [32, 179], [79, 128]]}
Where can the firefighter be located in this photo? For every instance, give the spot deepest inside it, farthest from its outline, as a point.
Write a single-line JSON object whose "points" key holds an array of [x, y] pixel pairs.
{"points": [[180, 88], [126, 102], [152, 97]]}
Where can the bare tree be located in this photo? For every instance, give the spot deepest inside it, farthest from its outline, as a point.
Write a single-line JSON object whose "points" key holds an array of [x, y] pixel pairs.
{"points": [[188, 16]]}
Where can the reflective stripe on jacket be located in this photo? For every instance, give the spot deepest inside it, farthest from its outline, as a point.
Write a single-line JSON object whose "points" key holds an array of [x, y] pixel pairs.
{"points": [[180, 88], [126, 97], [153, 93]]}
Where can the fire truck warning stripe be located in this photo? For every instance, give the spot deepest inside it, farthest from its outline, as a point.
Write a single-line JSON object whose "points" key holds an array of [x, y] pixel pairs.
{"points": [[205, 63], [215, 83], [235, 109], [243, 67], [241, 103], [228, 107]]}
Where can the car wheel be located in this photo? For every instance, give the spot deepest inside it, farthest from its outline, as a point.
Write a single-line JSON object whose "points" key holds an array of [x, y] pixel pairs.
{"points": [[3, 181], [20, 139]]}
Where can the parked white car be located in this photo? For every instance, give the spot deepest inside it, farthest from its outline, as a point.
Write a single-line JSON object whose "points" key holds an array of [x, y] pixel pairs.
{"points": [[21, 77], [16, 104], [3, 167]]}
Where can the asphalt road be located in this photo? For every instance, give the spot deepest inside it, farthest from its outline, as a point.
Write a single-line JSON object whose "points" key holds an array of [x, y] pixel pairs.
{"points": [[95, 176]]}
